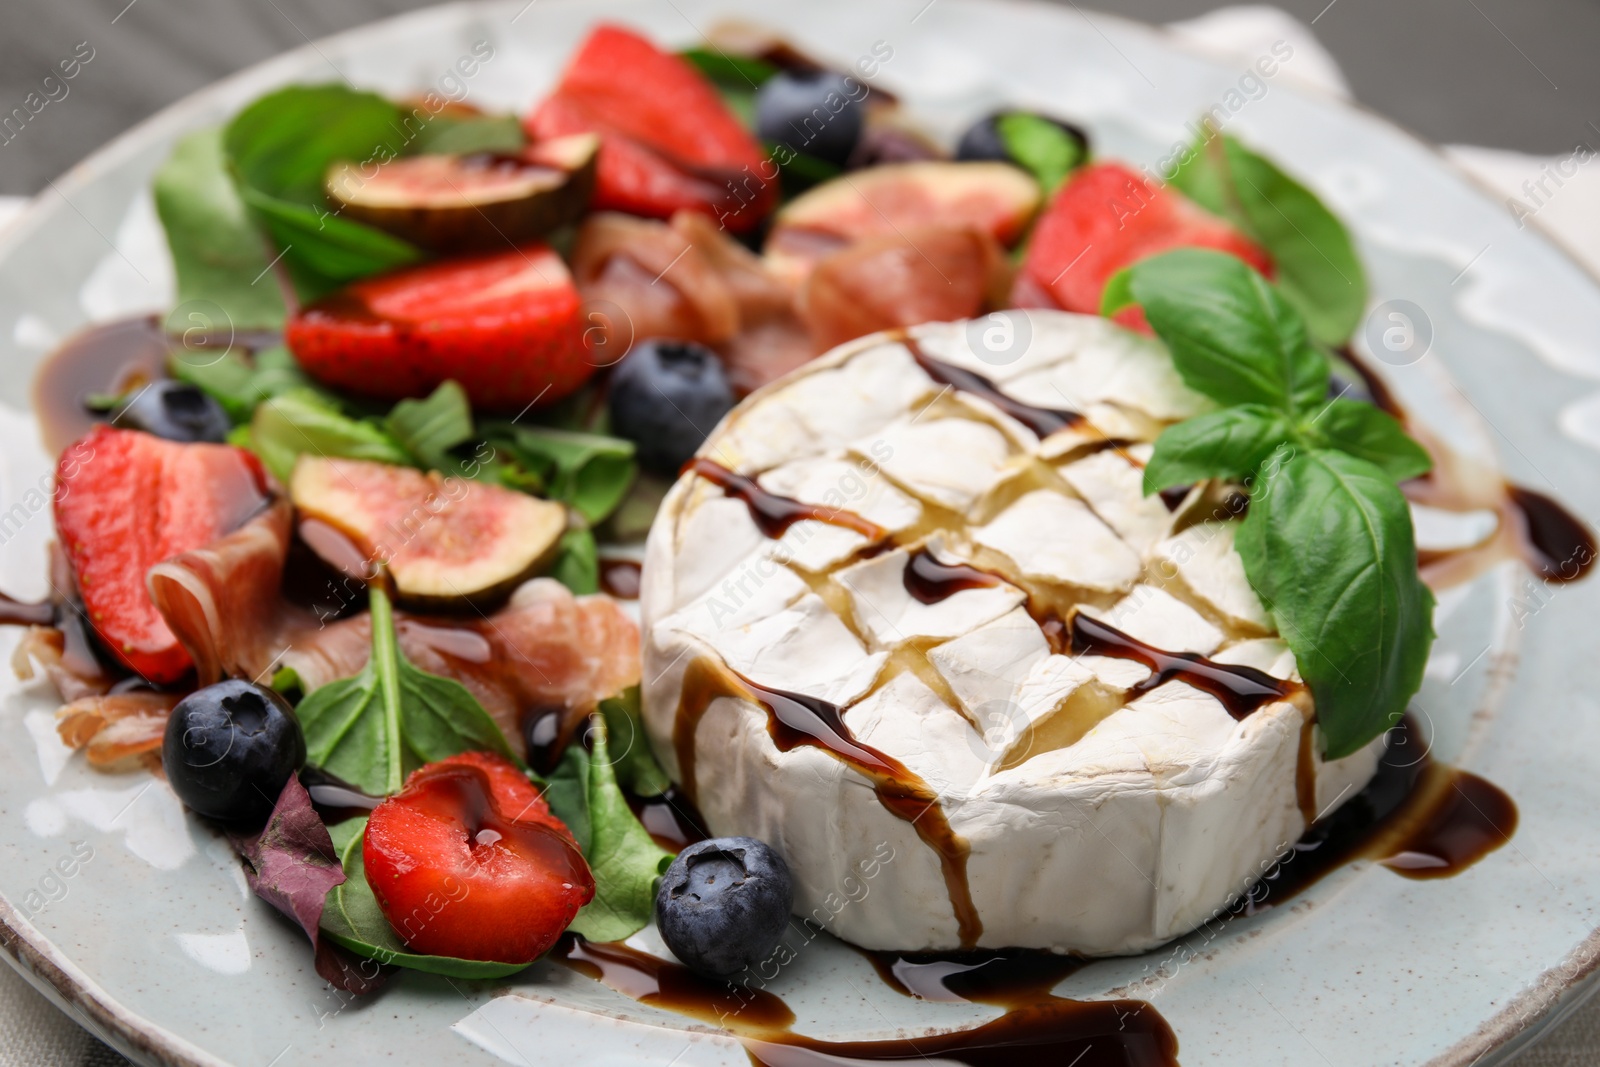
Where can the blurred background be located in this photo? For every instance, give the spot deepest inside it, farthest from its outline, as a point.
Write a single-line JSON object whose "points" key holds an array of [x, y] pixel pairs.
{"points": [[1516, 74]]}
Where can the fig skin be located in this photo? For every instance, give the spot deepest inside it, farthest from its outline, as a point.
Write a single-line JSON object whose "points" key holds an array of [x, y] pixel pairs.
{"points": [[479, 202]]}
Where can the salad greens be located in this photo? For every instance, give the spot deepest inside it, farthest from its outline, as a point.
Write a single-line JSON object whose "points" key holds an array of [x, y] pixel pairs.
{"points": [[218, 255], [1041, 147], [1317, 267], [583, 793], [374, 729], [279, 150], [1327, 543]]}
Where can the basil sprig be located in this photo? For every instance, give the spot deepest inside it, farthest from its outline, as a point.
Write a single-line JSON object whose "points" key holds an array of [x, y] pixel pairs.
{"points": [[1327, 543]]}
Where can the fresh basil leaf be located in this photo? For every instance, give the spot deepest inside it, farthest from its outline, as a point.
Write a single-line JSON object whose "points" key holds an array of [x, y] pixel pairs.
{"points": [[623, 857], [1230, 443], [1232, 336], [354, 919], [1315, 259], [1327, 544], [635, 765], [1372, 434], [430, 428], [725, 69], [240, 383], [446, 135], [374, 729], [301, 421], [280, 149], [1041, 147], [218, 254], [577, 564], [589, 472]]}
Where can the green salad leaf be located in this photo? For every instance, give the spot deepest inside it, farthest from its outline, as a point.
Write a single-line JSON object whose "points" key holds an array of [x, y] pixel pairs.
{"points": [[1328, 546], [1232, 335], [1368, 433], [449, 135], [1231, 443], [217, 253], [430, 428], [374, 729], [240, 383], [280, 149], [1314, 256], [589, 472], [1327, 542], [635, 765], [303, 420], [352, 918], [722, 68], [584, 793], [1041, 147], [577, 564]]}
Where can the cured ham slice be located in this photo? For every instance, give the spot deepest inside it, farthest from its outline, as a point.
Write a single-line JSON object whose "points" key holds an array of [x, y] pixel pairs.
{"points": [[926, 274], [118, 730]]}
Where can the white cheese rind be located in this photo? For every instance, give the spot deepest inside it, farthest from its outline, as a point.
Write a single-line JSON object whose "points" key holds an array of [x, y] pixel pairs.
{"points": [[1101, 819]]}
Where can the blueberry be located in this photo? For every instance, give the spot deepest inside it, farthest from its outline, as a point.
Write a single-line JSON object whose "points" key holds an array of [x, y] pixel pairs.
{"points": [[816, 112], [177, 411], [724, 904], [665, 397], [229, 749], [982, 139]]}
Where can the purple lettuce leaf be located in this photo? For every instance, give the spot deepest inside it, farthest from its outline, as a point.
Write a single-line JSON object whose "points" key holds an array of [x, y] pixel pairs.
{"points": [[292, 865]]}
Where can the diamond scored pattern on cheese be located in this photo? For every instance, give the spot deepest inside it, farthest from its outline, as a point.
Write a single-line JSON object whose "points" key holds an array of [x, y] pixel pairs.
{"points": [[1101, 817]]}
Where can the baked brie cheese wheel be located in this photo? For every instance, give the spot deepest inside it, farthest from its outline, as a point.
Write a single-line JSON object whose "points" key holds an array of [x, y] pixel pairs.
{"points": [[911, 619]]}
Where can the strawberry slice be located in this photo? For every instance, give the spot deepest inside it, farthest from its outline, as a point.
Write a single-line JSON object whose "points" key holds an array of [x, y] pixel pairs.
{"points": [[467, 861], [126, 501], [1106, 217], [506, 326], [667, 141]]}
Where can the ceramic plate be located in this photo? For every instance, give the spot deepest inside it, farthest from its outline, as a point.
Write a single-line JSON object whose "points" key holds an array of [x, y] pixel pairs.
{"points": [[155, 942]]}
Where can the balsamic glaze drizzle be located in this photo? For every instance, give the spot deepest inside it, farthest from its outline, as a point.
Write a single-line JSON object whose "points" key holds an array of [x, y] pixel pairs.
{"points": [[772, 513]]}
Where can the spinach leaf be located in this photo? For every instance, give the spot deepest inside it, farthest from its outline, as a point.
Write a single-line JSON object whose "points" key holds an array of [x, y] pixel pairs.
{"points": [[635, 765], [1230, 444], [447, 135], [1232, 336], [217, 253], [1372, 434], [240, 383], [1328, 546], [1315, 259], [374, 729], [280, 149], [577, 564], [1041, 147], [354, 920], [589, 472], [430, 428], [301, 420], [625, 860], [722, 68]]}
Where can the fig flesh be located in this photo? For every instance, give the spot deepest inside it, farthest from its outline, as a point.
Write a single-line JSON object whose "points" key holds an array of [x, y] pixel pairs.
{"points": [[447, 543]]}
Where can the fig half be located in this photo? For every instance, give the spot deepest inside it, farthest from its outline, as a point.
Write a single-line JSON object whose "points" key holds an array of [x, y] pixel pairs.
{"points": [[474, 202], [448, 543]]}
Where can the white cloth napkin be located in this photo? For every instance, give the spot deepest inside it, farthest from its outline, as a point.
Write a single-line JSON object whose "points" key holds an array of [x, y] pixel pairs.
{"points": [[33, 1033]]}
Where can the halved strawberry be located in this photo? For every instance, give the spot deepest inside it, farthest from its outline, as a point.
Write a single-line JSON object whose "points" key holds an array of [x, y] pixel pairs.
{"points": [[126, 501], [506, 326], [467, 861], [1106, 217], [668, 142]]}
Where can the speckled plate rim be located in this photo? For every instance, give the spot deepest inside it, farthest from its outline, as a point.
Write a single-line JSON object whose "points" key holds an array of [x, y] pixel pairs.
{"points": [[1553, 997]]}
